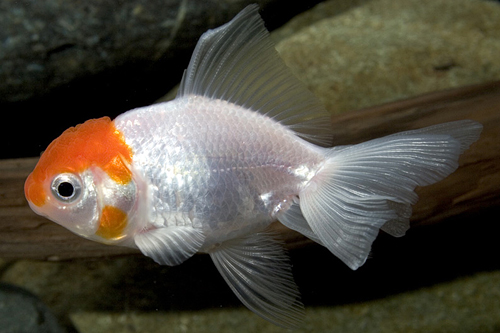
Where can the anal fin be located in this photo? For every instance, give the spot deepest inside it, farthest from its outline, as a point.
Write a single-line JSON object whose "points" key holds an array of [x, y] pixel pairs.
{"points": [[259, 273], [293, 219]]}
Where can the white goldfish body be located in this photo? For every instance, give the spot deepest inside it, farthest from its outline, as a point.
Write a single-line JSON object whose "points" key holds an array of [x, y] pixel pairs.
{"points": [[235, 151]]}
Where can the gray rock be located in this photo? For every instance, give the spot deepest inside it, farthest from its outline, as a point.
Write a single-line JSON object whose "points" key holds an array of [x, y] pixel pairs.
{"points": [[387, 50], [50, 43], [22, 312], [62, 62]]}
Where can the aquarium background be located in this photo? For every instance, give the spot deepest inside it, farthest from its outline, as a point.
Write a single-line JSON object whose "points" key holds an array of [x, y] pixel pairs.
{"points": [[62, 63]]}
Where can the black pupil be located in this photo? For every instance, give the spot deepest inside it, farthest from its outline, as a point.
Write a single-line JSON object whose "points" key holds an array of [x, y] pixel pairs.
{"points": [[65, 189]]}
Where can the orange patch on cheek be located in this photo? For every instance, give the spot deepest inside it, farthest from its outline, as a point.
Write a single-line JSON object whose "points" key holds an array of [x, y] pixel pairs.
{"points": [[113, 222]]}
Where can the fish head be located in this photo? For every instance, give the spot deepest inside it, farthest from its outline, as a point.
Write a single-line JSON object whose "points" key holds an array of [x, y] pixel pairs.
{"points": [[84, 182]]}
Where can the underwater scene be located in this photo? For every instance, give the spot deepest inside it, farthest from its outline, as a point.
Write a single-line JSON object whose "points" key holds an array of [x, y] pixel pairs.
{"points": [[339, 173]]}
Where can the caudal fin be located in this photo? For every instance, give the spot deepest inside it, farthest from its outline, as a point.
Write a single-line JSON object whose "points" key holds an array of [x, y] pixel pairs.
{"points": [[369, 186]]}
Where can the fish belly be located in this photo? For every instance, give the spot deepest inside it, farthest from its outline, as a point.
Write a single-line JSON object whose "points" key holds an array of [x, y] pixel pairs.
{"points": [[216, 166]]}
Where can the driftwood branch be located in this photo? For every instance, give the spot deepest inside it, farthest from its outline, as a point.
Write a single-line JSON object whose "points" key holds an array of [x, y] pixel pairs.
{"points": [[473, 188]]}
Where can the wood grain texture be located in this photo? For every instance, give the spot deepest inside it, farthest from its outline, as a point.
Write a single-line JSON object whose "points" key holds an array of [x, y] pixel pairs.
{"points": [[473, 188]]}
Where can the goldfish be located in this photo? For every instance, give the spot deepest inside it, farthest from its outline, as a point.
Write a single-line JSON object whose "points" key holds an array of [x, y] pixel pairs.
{"points": [[242, 145]]}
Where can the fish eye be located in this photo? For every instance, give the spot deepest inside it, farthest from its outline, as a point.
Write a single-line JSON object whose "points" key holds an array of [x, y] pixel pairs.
{"points": [[66, 187]]}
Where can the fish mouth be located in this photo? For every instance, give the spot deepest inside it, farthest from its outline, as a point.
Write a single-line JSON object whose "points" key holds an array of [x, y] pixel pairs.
{"points": [[37, 210], [34, 192]]}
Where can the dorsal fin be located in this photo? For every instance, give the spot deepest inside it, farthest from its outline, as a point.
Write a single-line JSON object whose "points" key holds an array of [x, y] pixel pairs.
{"points": [[237, 62]]}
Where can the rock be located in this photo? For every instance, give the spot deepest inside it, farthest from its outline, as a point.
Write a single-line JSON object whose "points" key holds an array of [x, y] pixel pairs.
{"points": [[51, 44], [464, 305], [22, 312], [68, 61], [385, 50]]}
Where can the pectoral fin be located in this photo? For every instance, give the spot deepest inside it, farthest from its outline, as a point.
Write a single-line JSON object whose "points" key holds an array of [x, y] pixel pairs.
{"points": [[171, 245], [259, 273]]}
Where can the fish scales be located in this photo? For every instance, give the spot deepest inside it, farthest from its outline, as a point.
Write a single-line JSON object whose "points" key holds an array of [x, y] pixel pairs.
{"points": [[216, 165]]}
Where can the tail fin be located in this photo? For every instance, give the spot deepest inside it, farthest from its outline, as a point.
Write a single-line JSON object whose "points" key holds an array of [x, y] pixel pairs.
{"points": [[363, 188]]}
